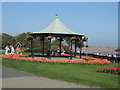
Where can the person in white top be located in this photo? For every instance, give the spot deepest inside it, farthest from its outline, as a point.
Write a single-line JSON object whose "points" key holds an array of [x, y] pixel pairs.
{"points": [[12, 49], [6, 50]]}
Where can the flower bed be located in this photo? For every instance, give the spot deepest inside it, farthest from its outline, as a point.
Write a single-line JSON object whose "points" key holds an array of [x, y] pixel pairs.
{"points": [[89, 62], [86, 58], [112, 70]]}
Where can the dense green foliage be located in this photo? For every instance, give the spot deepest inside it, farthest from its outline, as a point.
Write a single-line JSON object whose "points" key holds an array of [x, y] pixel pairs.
{"points": [[7, 40], [0, 61], [56, 46], [0, 41], [22, 39], [76, 73], [25, 43]]}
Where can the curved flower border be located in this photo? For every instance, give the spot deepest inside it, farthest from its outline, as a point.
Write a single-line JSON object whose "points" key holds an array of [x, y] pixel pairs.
{"points": [[89, 62]]}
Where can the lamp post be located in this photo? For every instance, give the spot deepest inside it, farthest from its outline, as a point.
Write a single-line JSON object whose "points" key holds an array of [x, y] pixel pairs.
{"points": [[72, 38], [81, 49], [71, 50], [75, 49], [69, 44], [33, 48], [50, 37], [86, 40], [86, 49], [60, 39], [75, 39]]}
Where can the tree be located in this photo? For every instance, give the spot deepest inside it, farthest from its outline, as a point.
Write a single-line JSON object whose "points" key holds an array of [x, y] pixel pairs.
{"points": [[0, 41], [56, 45], [7, 40], [22, 39], [78, 41]]}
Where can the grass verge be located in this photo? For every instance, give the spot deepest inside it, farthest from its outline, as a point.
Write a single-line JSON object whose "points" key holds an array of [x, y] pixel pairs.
{"points": [[0, 61]]}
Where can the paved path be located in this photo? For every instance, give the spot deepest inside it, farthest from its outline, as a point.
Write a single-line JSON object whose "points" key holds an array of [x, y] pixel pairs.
{"points": [[0, 77], [18, 79], [60, 58]]}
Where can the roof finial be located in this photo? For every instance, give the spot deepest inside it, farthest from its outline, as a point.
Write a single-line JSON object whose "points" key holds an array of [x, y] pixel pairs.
{"points": [[56, 15]]}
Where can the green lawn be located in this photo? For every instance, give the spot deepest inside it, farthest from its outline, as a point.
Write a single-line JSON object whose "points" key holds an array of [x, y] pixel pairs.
{"points": [[1, 58], [0, 61], [76, 73]]}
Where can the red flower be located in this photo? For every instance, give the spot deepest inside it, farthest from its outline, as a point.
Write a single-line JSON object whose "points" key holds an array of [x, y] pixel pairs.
{"points": [[17, 57], [111, 69]]}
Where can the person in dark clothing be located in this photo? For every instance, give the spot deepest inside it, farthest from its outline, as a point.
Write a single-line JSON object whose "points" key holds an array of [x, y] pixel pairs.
{"points": [[48, 53], [10, 49]]}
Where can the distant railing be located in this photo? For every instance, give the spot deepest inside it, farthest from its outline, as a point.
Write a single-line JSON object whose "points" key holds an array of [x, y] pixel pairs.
{"points": [[112, 59]]}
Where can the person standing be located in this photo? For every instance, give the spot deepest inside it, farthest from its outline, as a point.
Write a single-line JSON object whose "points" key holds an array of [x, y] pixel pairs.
{"points": [[6, 50], [48, 53], [12, 49], [17, 50]]}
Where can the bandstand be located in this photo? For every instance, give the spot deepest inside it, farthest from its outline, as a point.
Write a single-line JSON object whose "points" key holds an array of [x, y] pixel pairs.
{"points": [[57, 29]]}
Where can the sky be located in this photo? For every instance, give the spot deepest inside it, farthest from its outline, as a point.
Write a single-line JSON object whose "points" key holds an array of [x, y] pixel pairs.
{"points": [[0, 17], [96, 20]]}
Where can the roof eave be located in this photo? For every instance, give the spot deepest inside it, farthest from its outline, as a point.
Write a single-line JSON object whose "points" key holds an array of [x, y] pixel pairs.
{"points": [[56, 34]]}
